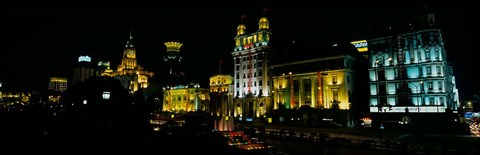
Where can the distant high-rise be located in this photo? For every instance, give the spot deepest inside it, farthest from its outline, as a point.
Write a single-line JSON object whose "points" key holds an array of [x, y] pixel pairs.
{"points": [[83, 70], [173, 59], [57, 84]]}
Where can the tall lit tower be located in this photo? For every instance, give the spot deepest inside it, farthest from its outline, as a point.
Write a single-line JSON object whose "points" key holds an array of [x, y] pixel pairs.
{"points": [[131, 75], [129, 60], [251, 85], [172, 57]]}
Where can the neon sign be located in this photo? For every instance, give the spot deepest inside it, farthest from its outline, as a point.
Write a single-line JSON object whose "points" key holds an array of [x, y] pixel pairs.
{"points": [[361, 45], [84, 58]]}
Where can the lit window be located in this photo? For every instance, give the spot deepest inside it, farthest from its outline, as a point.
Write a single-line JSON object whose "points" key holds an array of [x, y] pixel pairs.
{"points": [[439, 69], [335, 94]]}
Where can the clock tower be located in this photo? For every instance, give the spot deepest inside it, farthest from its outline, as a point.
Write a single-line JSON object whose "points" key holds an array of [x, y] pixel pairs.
{"points": [[131, 75], [129, 59]]}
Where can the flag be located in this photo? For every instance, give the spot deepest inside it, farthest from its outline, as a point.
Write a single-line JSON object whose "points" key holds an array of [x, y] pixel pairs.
{"points": [[220, 66]]}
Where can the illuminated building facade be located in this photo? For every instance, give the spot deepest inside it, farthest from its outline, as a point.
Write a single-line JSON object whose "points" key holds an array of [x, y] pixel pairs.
{"points": [[131, 75], [83, 70], [8, 98], [185, 98], [221, 95], [408, 72], [318, 83], [57, 84], [251, 69]]}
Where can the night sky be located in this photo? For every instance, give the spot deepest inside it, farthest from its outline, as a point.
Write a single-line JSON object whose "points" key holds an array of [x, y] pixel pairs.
{"points": [[45, 39]]}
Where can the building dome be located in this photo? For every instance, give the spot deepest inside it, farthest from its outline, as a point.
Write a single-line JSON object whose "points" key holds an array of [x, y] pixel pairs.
{"points": [[263, 23]]}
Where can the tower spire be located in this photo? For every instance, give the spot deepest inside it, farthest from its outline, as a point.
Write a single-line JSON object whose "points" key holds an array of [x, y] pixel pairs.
{"points": [[241, 27], [130, 39], [263, 22], [265, 11]]}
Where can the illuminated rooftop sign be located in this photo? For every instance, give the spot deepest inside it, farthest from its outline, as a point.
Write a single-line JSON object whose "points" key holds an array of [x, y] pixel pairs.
{"points": [[361, 45], [84, 58], [104, 63]]}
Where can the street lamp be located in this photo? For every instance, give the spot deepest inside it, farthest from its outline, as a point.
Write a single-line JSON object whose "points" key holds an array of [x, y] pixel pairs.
{"points": [[379, 104]]}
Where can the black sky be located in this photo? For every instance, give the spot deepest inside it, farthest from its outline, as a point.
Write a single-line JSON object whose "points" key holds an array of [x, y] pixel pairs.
{"points": [[45, 39]]}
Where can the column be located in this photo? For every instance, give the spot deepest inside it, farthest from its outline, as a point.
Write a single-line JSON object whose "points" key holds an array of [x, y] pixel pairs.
{"points": [[312, 92], [301, 93]]}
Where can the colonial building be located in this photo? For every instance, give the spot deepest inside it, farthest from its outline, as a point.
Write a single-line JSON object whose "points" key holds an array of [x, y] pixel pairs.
{"points": [[409, 72], [321, 83], [251, 69], [185, 98], [221, 96], [8, 98], [131, 75]]}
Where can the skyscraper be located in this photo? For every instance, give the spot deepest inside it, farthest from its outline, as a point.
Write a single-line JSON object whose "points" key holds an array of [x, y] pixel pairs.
{"points": [[83, 70], [173, 60]]}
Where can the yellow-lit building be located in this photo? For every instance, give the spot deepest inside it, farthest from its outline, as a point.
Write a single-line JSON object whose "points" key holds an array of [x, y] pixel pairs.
{"points": [[251, 70], [57, 84], [321, 83], [10, 98], [185, 98], [131, 75], [221, 95]]}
